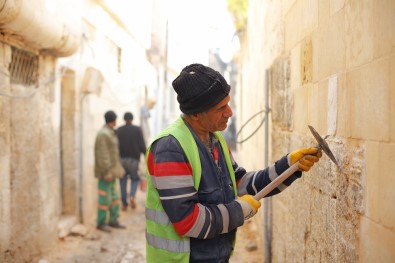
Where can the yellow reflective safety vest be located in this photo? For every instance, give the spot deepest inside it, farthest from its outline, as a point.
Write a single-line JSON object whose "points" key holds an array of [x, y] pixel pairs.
{"points": [[163, 244]]}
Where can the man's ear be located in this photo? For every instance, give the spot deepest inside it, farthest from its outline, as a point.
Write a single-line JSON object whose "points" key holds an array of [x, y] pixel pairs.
{"points": [[195, 116]]}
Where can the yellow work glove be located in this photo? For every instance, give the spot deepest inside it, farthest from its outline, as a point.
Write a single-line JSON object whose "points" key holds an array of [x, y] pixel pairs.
{"points": [[249, 205], [311, 156]]}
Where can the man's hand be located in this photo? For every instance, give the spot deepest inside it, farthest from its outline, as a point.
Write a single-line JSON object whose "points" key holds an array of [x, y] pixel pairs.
{"points": [[311, 156], [249, 205], [108, 177]]}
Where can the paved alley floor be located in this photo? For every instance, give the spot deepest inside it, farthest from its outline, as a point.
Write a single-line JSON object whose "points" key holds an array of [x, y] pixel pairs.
{"points": [[119, 246], [128, 245]]}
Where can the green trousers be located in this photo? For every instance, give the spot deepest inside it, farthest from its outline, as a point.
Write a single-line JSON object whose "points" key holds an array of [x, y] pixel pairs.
{"points": [[109, 201]]}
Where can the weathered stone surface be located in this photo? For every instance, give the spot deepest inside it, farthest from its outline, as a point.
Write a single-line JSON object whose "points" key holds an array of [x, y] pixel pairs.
{"points": [[79, 230], [65, 225], [370, 108], [341, 82], [281, 95]]}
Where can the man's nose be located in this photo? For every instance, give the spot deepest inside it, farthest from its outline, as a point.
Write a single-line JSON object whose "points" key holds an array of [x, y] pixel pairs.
{"points": [[228, 113]]}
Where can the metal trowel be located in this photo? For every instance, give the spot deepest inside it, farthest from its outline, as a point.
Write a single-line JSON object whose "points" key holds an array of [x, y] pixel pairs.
{"points": [[322, 145]]}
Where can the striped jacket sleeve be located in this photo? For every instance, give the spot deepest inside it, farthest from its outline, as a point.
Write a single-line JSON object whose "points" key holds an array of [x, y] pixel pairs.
{"points": [[252, 182], [171, 175]]}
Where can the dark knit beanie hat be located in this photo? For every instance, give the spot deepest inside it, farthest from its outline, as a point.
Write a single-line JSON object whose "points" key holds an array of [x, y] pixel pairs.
{"points": [[199, 88], [128, 116], [110, 116]]}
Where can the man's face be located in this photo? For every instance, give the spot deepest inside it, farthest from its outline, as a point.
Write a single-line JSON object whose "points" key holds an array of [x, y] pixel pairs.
{"points": [[112, 124], [216, 118]]}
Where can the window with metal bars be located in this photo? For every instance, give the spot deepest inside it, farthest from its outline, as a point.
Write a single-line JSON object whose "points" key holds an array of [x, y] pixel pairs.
{"points": [[23, 67]]}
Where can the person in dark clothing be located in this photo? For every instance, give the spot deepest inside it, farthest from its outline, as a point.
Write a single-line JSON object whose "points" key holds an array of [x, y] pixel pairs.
{"points": [[131, 145], [197, 194]]}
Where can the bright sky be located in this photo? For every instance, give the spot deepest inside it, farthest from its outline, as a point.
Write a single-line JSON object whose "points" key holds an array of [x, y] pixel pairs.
{"points": [[196, 26]]}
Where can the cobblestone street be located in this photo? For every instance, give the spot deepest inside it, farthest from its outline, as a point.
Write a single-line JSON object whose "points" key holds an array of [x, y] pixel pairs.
{"points": [[118, 246], [124, 246]]}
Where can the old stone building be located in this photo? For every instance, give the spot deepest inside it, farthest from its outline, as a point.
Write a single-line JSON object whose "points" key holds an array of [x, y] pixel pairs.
{"points": [[330, 64], [62, 64], [325, 63]]}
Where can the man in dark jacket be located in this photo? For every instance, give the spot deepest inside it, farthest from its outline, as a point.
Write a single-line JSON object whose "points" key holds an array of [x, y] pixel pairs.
{"points": [[131, 146], [197, 194]]}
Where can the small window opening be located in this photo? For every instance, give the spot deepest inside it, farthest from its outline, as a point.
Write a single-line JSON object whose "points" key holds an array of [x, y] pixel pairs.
{"points": [[23, 67]]}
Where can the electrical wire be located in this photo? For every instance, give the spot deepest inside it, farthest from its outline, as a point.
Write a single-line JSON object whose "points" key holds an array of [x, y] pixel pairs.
{"points": [[256, 130], [115, 98], [28, 95], [34, 87]]}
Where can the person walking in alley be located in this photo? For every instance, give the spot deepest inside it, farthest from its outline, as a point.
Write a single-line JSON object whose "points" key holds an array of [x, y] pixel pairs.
{"points": [[108, 169], [197, 195], [131, 146]]}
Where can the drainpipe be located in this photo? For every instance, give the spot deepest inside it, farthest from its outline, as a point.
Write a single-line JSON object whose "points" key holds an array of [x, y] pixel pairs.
{"points": [[81, 159], [49, 27], [267, 202]]}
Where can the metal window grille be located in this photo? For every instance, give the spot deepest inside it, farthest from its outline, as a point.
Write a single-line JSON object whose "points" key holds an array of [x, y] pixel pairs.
{"points": [[23, 67]]}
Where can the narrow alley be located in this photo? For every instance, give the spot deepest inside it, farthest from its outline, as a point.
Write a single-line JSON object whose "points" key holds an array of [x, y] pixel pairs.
{"points": [[128, 246], [283, 67]]}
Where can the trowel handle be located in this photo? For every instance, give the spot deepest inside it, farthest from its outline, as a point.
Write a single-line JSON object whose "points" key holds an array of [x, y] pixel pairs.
{"points": [[276, 182]]}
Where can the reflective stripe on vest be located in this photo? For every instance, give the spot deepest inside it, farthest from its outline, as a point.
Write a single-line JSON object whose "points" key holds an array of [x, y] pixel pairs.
{"points": [[163, 242], [159, 217], [176, 246]]}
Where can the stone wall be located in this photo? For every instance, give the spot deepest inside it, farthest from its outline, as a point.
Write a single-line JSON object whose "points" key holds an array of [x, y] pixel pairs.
{"points": [[47, 131], [5, 156], [30, 148], [332, 66]]}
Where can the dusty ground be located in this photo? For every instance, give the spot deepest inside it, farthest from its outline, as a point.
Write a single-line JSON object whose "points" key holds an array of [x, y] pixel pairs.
{"points": [[124, 246]]}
